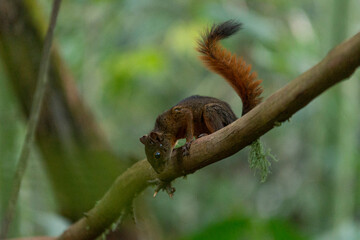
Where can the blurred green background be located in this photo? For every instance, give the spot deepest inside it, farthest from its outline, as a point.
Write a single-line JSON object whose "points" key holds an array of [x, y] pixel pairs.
{"points": [[133, 59]]}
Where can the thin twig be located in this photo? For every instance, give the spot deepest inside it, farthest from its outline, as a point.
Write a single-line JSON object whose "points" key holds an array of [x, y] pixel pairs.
{"points": [[33, 120]]}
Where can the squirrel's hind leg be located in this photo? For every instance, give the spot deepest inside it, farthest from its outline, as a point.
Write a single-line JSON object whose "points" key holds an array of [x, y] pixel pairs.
{"points": [[217, 116]]}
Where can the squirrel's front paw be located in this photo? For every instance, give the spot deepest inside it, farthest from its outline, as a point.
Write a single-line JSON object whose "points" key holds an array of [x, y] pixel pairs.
{"points": [[163, 185], [186, 148]]}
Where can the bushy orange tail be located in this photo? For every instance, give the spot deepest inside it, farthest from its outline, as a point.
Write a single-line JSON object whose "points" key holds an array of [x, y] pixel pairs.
{"points": [[233, 69]]}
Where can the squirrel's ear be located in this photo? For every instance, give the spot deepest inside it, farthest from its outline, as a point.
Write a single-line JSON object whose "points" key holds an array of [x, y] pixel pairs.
{"points": [[156, 136], [143, 139]]}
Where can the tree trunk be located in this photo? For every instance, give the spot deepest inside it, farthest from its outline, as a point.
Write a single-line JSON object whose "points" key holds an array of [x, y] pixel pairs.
{"points": [[74, 151]]}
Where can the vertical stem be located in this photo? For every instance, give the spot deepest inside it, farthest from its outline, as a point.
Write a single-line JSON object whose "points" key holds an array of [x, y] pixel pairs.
{"points": [[340, 21], [345, 165], [345, 168], [34, 117]]}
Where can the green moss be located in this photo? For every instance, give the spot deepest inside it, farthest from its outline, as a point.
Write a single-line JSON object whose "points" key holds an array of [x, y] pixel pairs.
{"points": [[259, 159], [277, 124]]}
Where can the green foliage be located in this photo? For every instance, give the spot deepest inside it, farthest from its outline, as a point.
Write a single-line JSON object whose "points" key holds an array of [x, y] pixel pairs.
{"points": [[134, 59], [124, 67], [228, 229], [238, 228]]}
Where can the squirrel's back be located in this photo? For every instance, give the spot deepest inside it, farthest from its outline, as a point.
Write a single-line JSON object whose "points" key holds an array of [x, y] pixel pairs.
{"points": [[236, 72]]}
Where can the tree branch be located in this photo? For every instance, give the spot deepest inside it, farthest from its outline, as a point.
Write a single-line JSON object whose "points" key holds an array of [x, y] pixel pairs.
{"points": [[339, 64]]}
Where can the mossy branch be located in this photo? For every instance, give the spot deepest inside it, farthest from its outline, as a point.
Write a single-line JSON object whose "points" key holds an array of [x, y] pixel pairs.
{"points": [[339, 64]]}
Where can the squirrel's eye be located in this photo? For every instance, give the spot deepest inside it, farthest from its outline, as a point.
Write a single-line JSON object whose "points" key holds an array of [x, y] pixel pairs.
{"points": [[157, 155]]}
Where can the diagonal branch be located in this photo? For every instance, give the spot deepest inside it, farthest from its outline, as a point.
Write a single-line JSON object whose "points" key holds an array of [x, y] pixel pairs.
{"points": [[339, 64]]}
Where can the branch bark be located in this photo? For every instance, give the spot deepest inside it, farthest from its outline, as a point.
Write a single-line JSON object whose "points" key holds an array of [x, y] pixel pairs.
{"points": [[339, 64]]}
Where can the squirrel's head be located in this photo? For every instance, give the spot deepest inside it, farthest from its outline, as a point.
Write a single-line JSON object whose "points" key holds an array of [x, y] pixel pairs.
{"points": [[157, 149]]}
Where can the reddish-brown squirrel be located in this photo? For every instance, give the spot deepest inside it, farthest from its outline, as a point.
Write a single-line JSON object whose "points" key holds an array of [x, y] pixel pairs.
{"points": [[196, 115]]}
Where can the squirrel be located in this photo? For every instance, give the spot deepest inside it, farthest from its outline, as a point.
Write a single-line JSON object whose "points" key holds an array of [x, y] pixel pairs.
{"points": [[197, 116]]}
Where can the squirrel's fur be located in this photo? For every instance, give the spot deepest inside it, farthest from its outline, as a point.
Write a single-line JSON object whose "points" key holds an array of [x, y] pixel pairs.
{"points": [[234, 69], [197, 115]]}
